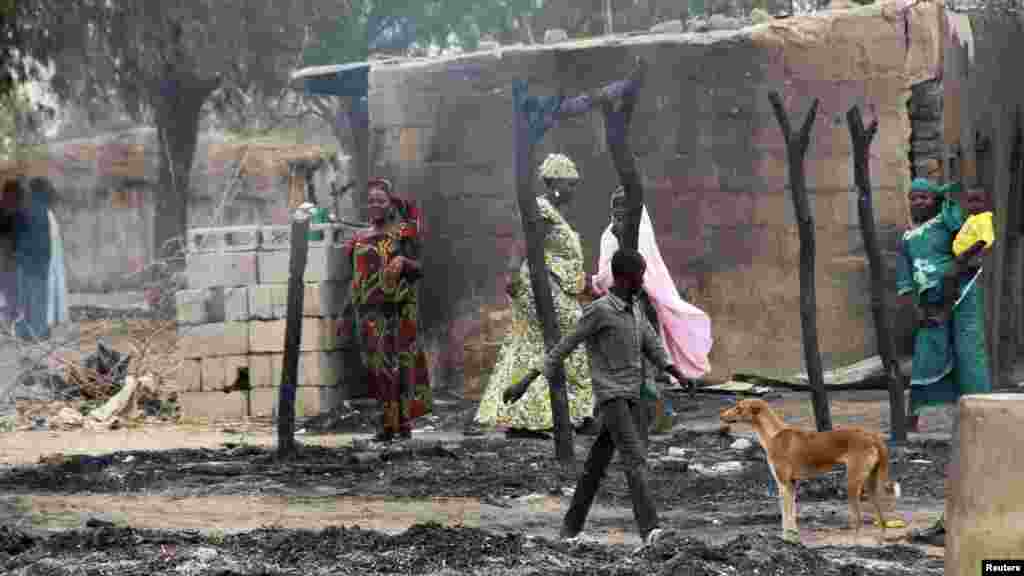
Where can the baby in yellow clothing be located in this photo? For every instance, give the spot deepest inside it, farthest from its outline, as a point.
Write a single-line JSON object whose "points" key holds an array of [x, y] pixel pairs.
{"points": [[975, 237]]}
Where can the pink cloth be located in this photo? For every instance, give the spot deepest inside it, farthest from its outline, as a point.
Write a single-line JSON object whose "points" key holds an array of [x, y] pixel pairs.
{"points": [[685, 329]]}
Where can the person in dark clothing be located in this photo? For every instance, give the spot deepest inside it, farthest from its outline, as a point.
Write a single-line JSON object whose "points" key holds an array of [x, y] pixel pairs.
{"points": [[617, 336], [8, 279], [32, 260]]}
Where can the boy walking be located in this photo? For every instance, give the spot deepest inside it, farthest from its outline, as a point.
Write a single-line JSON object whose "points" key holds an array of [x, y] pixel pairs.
{"points": [[617, 337]]}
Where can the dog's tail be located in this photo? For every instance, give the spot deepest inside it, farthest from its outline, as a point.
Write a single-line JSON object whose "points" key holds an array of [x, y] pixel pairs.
{"points": [[881, 473]]}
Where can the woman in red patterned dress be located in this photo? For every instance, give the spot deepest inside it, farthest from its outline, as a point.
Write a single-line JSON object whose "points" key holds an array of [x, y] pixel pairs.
{"points": [[386, 267]]}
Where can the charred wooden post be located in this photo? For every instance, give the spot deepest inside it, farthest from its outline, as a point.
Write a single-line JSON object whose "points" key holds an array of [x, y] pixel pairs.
{"points": [[796, 149], [618, 121], [533, 117], [862, 138], [1006, 127], [299, 241], [525, 144]]}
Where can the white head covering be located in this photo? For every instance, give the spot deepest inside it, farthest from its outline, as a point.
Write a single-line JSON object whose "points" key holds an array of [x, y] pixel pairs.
{"points": [[559, 166]]}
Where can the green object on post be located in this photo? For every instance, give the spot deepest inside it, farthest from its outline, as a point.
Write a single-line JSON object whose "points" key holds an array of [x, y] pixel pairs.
{"points": [[648, 391], [317, 215]]}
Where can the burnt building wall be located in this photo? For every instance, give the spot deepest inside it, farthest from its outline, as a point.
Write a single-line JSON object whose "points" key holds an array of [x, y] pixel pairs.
{"points": [[713, 162]]}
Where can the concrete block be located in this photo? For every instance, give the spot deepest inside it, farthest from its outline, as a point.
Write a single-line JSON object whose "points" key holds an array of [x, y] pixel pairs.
{"points": [[212, 305], [309, 401], [191, 307], [221, 372], [324, 299], [236, 304], [259, 371], [210, 269], [241, 238], [226, 239], [273, 267], [325, 263], [273, 238], [268, 301], [211, 340], [204, 240], [318, 334], [189, 377], [265, 370], [983, 504], [668, 27], [212, 405], [315, 368], [555, 35], [321, 368], [276, 369]]}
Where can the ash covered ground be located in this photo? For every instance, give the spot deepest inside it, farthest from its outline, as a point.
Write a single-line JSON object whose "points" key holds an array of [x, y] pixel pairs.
{"points": [[422, 549], [699, 478]]}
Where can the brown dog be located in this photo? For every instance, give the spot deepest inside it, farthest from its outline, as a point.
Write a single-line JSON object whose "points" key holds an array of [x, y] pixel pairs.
{"points": [[795, 454]]}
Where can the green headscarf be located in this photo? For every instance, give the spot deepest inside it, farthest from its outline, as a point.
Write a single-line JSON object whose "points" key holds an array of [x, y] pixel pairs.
{"points": [[925, 185], [940, 192], [949, 208]]}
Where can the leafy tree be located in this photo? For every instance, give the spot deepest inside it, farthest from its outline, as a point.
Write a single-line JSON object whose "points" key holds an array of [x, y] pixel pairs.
{"points": [[20, 124], [395, 26], [164, 61], [11, 65]]}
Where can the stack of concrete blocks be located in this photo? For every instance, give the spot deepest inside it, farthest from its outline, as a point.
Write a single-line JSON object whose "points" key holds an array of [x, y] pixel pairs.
{"points": [[231, 319]]}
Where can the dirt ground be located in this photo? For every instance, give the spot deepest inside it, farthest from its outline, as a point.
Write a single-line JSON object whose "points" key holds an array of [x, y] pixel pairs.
{"points": [[214, 499]]}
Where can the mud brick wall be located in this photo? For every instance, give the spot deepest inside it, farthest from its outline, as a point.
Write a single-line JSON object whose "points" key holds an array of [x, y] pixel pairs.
{"points": [[233, 316], [713, 162]]}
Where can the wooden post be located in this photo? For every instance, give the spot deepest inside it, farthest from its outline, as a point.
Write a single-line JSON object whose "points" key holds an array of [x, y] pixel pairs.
{"points": [[292, 335], [796, 148], [618, 122], [532, 118], [1005, 128], [296, 185], [862, 176], [524, 153], [617, 129], [1017, 236]]}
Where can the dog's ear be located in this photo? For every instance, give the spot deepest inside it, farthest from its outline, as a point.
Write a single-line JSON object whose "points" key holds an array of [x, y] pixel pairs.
{"points": [[754, 408]]}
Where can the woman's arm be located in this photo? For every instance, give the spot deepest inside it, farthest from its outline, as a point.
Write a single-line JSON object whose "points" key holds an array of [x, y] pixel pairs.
{"points": [[409, 258]]}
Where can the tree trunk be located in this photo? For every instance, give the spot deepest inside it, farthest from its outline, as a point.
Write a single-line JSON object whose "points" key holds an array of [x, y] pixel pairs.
{"points": [[796, 148], [524, 152], [178, 108], [862, 176]]}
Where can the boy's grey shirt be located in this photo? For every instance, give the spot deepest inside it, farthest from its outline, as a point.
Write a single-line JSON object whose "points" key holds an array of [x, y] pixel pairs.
{"points": [[617, 337]]}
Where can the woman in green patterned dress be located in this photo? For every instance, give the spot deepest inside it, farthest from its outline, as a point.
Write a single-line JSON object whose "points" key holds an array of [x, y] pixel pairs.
{"points": [[950, 359], [524, 344], [385, 269]]}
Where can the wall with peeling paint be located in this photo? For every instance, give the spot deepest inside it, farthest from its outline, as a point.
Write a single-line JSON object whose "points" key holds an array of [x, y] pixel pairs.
{"points": [[713, 163]]}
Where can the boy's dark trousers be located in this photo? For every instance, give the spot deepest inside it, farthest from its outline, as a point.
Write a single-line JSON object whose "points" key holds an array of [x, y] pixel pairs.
{"points": [[618, 433]]}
